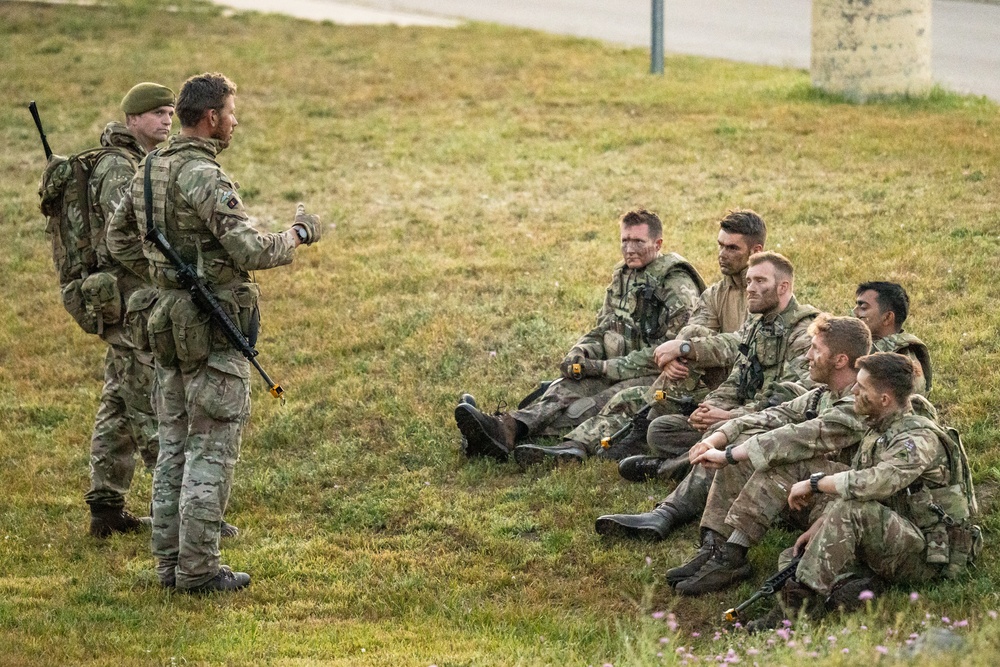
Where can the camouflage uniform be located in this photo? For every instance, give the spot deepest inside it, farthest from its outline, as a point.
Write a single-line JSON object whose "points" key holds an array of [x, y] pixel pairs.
{"points": [[204, 398], [125, 423], [816, 432], [642, 308], [720, 312], [914, 348], [881, 516], [772, 351]]}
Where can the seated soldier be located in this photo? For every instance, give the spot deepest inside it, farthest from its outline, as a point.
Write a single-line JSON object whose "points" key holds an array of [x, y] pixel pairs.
{"points": [[884, 306], [650, 298], [902, 512], [774, 342], [767, 447], [690, 370]]}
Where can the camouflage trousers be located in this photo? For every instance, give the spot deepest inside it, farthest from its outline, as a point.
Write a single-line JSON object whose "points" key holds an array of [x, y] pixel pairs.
{"points": [[688, 498], [619, 411], [568, 403], [203, 408], [125, 426], [749, 500], [858, 534]]}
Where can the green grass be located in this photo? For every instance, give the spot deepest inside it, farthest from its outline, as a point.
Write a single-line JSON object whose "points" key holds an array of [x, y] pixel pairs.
{"points": [[471, 179]]}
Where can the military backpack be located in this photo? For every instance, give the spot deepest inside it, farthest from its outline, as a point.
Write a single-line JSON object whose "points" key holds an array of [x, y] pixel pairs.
{"points": [[76, 229]]}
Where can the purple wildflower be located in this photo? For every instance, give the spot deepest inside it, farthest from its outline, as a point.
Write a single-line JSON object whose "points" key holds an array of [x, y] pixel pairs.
{"points": [[866, 595]]}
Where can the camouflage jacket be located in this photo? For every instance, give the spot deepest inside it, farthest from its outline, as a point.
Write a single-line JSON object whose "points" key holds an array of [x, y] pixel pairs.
{"points": [[107, 185], [914, 348], [642, 308], [196, 206], [772, 350], [817, 423], [721, 311], [895, 454]]}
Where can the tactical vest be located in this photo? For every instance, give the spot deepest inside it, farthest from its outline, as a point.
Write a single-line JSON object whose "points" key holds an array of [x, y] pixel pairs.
{"points": [[764, 350], [639, 321], [944, 514], [187, 234], [901, 341]]}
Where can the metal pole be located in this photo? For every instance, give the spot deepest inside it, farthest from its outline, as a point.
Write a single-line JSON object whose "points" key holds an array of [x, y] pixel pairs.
{"points": [[656, 48]]}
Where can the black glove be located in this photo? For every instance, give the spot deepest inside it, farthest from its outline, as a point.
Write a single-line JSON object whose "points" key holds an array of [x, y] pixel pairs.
{"points": [[308, 223]]}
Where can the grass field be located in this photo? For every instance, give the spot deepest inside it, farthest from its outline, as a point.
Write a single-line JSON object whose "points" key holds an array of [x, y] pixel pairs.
{"points": [[471, 179]]}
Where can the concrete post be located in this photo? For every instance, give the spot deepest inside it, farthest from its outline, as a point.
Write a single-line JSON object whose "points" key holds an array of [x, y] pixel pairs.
{"points": [[866, 48], [656, 38]]}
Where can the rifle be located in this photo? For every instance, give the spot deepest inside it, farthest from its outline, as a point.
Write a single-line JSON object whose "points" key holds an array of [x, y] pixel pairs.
{"points": [[769, 587], [38, 123], [200, 293]]}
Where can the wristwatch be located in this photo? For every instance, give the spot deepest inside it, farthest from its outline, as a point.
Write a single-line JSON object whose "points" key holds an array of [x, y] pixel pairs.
{"points": [[685, 349], [814, 481], [729, 455], [301, 232]]}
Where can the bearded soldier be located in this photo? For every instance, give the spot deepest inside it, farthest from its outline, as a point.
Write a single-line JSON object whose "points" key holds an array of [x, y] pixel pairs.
{"points": [[773, 346], [650, 298], [204, 399]]}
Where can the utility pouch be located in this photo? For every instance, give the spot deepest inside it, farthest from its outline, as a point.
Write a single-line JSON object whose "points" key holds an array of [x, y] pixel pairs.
{"points": [[937, 539], [192, 331], [919, 509], [160, 332], [614, 345], [966, 545], [76, 305], [241, 304], [100, 291], [951, 502], [140, 307], [768, 350]]}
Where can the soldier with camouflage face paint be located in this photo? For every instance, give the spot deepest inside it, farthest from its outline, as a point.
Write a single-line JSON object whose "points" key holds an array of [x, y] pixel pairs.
{"points": [[125, 424], [689, 371], [650, 298], [204, 399], [901, 512]]}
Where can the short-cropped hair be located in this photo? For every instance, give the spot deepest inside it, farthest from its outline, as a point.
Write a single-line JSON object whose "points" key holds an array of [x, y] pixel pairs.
{"points": [[843, 335], [891, 372], [782, 265], [890, 296], [746, 223], [201, 93], [643, 217]]}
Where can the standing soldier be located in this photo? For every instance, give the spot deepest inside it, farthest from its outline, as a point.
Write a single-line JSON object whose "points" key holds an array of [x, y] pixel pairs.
{"points": [[80, 195], [204, 390]]}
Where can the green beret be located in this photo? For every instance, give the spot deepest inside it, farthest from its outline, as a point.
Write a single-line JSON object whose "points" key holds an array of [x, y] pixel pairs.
{"points": [[145, 97]]}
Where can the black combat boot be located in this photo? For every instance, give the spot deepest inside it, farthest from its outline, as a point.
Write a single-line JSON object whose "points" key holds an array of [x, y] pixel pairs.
{"points": [[846, 594], [106, 521], [793, 598], [225, 580], [467, 399], [565, 452], [710, 541], [486, 435], [633, 444], [639, 468], [654, 525], [727, 566]]}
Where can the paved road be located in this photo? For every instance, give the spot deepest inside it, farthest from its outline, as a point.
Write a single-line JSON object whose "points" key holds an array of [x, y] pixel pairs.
{"points": [[965, 36]]}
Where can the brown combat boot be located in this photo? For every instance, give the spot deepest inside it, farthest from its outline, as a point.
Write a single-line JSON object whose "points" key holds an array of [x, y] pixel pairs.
{"points": [[727, 566], [486, 435], [106, 521], [710, 541]]}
